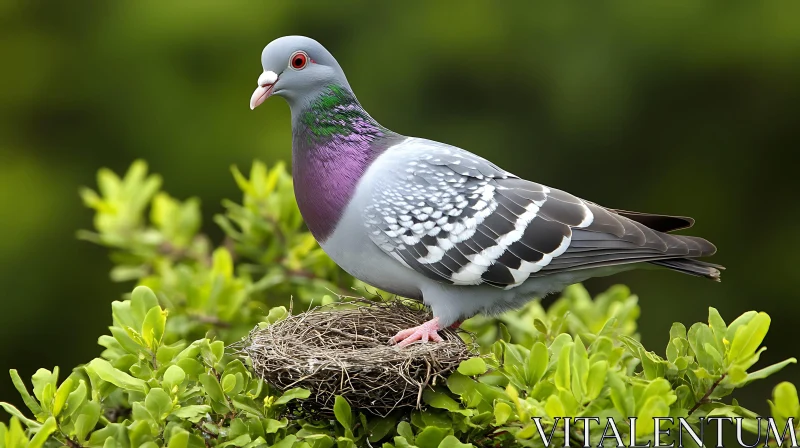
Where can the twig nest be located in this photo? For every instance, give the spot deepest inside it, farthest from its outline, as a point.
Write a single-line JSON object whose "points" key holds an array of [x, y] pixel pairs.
{"points": [[343, 349]]}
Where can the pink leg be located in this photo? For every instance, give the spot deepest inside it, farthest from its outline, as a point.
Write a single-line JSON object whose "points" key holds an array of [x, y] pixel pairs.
{"points": [[425, 332]]}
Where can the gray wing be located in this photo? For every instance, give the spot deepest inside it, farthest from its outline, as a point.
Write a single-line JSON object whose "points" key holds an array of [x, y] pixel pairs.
{"points": [[459, 219]]}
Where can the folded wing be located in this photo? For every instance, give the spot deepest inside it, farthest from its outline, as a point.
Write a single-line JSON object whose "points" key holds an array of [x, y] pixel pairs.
{"points": [[459, 219]]}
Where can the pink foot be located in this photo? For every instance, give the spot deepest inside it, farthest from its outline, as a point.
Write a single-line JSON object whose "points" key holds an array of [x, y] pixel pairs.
{"points": [[425, 332]]}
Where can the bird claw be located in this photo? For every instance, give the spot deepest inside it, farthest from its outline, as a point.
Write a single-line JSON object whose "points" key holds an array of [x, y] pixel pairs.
{"points": [[425, 332]]}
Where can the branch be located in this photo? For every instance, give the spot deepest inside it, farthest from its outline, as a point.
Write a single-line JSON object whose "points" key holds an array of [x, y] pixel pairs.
{"points": [[708, 394]]}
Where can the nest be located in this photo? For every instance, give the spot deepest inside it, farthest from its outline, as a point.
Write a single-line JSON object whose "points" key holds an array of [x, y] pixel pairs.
{"points": [[343, 349]]}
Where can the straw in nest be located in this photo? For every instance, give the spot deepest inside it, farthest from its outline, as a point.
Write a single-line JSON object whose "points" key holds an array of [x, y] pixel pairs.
{"points": [[343, 349]]}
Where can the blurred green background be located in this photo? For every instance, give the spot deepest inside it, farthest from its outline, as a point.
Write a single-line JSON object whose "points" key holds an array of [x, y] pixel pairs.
{"points": [[678, 107]]}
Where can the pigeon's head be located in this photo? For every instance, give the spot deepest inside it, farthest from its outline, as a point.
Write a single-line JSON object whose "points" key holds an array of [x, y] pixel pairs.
{"points": [[296, 67]]}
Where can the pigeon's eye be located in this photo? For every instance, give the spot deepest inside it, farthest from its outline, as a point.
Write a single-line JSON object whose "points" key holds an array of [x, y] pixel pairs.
{"points": [[299, 60]]}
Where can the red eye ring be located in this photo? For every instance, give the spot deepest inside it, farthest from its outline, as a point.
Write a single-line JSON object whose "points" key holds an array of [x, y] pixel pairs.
{"points": [[299, 60]]}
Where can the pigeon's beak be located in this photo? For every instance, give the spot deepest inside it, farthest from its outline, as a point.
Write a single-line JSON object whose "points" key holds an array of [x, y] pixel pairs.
{"points": [[266, 82]]}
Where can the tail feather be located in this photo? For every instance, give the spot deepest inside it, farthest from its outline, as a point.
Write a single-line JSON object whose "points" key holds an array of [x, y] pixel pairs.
{"points": [[692, 267]]}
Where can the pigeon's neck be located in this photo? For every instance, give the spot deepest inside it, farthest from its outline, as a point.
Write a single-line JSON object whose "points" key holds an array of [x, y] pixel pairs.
{"points": [[334, 141]]}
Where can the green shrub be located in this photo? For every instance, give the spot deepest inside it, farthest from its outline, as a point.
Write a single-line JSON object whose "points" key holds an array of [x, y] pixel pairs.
{"points": [[164, 378]]}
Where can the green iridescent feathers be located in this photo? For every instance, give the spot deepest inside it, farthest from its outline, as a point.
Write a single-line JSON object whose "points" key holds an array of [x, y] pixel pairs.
{"points": [[336, 112]]}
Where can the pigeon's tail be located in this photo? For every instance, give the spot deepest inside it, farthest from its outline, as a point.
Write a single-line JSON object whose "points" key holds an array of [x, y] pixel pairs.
{"points": [[692, 267], [699, 247]]}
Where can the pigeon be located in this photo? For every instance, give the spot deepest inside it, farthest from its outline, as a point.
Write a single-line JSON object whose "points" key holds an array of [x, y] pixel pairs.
{"points": [[436, 223]]}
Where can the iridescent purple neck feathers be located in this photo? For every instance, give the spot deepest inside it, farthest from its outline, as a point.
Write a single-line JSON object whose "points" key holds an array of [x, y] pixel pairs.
{"points": [[334, 142]]}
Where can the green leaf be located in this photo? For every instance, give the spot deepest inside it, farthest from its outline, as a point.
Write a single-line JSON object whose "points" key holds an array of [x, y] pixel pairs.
{"points": [[536, 363], [191, 351], [193, 413], [165, 354], [153, 326], [379, 427], [14, 436], [431, 417], [623, 403], [108, 183], [43, 433], [179, 439], [472, 367], [139, 433], [123, 316], [700, 337], [512, 357], [23, 391], [431, 437], [715, 355], [272, 426], [235, 366], [125, 341], [661, 388], [286, 442], [247, 404], [404, 430], [241, 440], [318, 441], [767, 371], [736, 375], [596, 379], [14, 412], [452, 442], [738, 322], [554, 407], [40, 380], [241, 180], [298, 393], [192, 367], [112, 431], [563, 369], [86, 419], [343, 413], [107, 372], [143, 299], [785, 403], [212, 388], [601, 348], [540, 326], [61, 396], [173, 376], [558, 343], [158, 403], [228, 383], [222, 263], [748, 337], [75, 400], [277, 314], [677, 331], [217, 350], [504, 334], [653, 407], [440, 400], [502, 411], [580, 368], [526, 432], [48, 394], [718, 327], [399, 442]]}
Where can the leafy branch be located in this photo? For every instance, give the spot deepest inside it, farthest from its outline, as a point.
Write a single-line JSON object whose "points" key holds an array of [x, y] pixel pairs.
{"points": [[164, 378]]}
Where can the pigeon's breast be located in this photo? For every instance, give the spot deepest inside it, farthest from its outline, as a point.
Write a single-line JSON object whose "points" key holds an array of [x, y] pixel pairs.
{"points": [[351, 247]]}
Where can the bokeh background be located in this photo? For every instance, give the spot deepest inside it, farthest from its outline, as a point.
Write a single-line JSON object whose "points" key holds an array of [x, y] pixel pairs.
{"points": [[679, 107]]}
